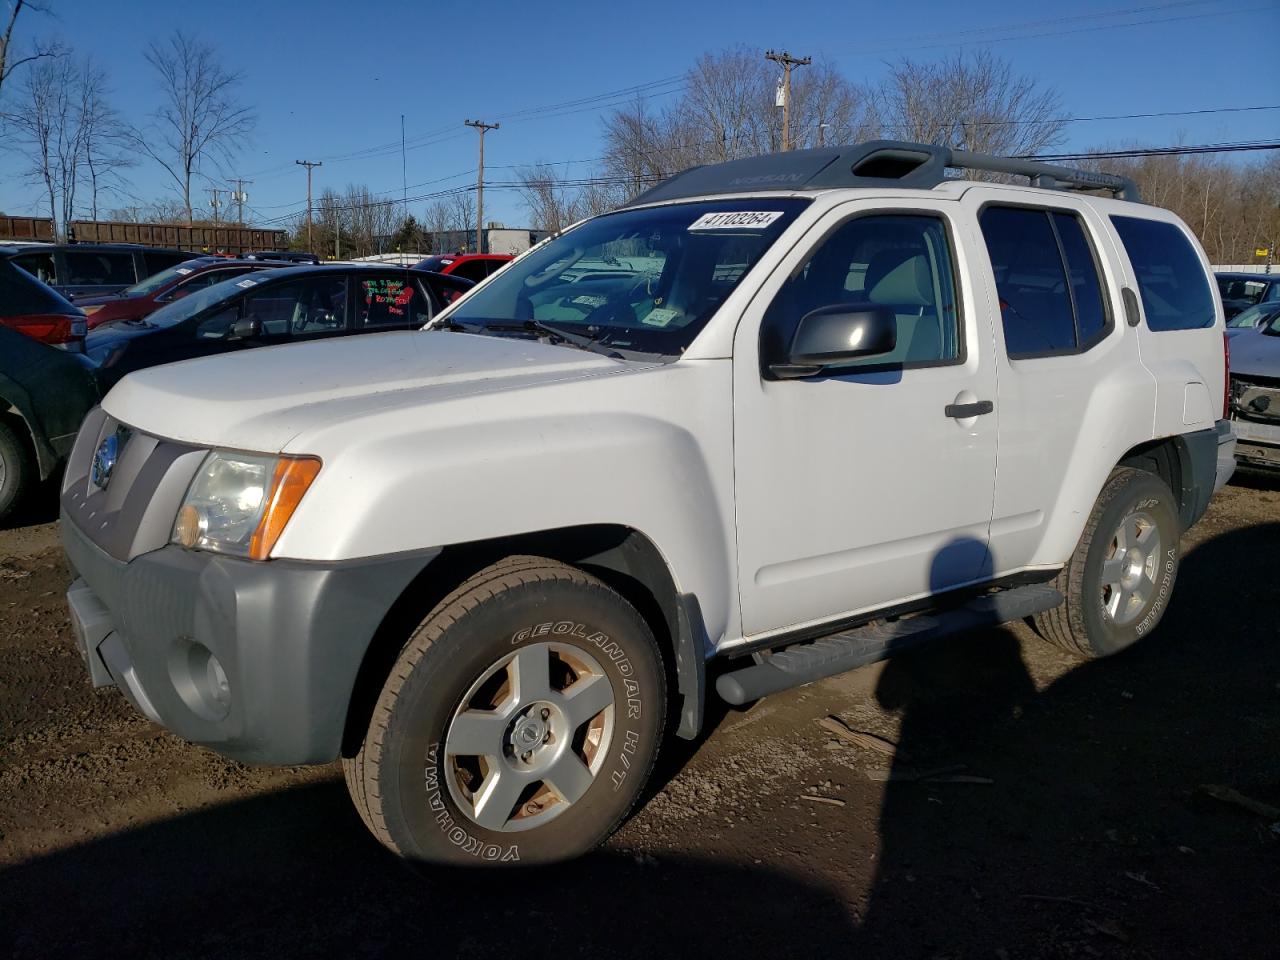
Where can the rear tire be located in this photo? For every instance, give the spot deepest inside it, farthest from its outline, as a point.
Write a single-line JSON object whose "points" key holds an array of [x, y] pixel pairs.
{"points": [[518, 725], [1118, 582], [17, 470]]}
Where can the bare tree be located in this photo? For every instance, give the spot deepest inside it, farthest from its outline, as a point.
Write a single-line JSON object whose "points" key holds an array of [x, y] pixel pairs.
{"points": [[729, 111], [102, 135], [49, 134], [551, 205], [462, 213], [39, 51], [971, 100], [199, 118], [438, 221]]}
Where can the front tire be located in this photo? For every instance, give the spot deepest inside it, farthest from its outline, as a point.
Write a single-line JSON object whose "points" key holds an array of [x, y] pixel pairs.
{"points": [[519, 723], [1118, 582]]}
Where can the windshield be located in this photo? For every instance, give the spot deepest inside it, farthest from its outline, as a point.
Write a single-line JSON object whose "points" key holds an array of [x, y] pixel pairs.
{"points": [[1252, 316], [172, 314], [158, 280], [644, 281], [1238, 288]]}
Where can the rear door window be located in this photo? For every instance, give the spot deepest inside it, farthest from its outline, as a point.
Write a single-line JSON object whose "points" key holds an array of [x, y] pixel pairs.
{"points": [[39, 265], [98, 268], [303, 307], [1171, 281], [390, 301], [1047, 279]]}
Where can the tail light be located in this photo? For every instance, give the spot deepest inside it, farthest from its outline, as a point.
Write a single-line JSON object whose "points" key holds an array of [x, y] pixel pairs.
{"points": [[48, 327], [1226, 376]]}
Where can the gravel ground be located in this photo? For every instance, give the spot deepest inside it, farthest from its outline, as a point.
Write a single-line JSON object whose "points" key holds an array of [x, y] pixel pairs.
{"points": [[1083, 829]]}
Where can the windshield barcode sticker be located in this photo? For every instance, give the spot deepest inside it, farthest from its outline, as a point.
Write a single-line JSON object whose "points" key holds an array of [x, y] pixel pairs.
{"points": [[247, 283], [589, 301], [660, 316], [184, 270], [743, 220]]}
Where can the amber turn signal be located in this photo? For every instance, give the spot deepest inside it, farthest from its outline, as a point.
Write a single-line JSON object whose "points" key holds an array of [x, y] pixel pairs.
{"points": [[289, 482]]}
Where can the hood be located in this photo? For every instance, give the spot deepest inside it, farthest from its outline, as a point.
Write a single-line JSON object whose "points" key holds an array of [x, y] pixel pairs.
{"points": [[260, 399], [1256, 354]]}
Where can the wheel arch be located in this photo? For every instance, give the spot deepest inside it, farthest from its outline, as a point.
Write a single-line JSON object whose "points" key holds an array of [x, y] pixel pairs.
{"points": [[13, 415], [621, 556], [1173, 460]]}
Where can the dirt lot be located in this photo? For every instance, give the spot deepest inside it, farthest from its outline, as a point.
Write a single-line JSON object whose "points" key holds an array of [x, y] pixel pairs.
{"points": [[1094, 838]]}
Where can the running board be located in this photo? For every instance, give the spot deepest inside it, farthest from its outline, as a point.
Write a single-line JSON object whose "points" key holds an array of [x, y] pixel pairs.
{"points": [[816, 660]]}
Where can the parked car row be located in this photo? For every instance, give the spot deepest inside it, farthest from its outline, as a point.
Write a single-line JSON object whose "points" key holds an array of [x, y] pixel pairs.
{"points": [[1243, 290], [58, 358]]}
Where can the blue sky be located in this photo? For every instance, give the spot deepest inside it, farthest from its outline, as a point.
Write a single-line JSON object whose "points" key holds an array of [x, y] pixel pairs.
{"points": [[329, 79]]}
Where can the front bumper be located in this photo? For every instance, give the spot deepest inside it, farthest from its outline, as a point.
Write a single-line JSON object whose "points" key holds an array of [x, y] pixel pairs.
{"points": [[1257, 443], [290, 637]]}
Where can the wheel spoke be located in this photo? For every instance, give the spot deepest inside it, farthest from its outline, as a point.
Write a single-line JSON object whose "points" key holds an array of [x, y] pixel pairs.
{"points": [[586, 698], [531, 671], [1141, 592], [476, 733], [497, 798], [568, 777], [1112, 604], [1148, 538]]}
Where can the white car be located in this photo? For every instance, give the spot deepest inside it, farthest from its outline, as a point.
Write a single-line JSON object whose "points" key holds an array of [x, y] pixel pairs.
{"points": [[798, 412]]}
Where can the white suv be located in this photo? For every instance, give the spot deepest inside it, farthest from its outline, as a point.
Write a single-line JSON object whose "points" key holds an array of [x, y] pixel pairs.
{"points": [[795, 413]]}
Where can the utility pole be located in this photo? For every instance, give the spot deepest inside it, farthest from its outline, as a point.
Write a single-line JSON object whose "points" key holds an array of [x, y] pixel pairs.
{"points": [[483, 128], [787, 61], [239, 198], [310, 165], [214, 203]]}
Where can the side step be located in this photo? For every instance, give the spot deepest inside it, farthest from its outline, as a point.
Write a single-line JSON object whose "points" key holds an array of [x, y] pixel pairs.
{"points": [[850, 649]]}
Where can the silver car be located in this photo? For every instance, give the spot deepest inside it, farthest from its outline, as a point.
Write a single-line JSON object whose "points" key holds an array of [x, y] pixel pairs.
{"points": [[1255, 392]]}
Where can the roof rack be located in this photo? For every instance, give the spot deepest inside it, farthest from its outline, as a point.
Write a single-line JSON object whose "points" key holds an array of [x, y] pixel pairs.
{"points": [[877, 163]]}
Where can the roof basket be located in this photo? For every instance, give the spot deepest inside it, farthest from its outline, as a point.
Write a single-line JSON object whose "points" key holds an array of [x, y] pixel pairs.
{"points": [[879, 163]]}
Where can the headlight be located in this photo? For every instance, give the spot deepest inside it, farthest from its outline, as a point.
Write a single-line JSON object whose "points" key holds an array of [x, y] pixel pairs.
{"points": [[239, 503]]}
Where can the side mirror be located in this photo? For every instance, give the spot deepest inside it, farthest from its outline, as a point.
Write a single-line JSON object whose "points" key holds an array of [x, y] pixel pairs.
{"points": [[247, 329], [833, 335]]}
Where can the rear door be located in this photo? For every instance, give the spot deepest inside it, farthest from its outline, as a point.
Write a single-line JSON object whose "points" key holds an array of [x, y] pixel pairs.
{"points": [[389, 301], [1073, 396]]}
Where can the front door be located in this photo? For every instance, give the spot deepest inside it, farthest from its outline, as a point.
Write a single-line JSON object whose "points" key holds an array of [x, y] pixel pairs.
{"points": [[871, 484]]}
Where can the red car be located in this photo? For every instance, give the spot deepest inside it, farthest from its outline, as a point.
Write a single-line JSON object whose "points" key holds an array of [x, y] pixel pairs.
{"points": [[469, 266], [133, 303]]}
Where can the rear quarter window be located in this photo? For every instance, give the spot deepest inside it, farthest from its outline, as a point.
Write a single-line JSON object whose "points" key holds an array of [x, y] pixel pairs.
{"points": [[1171, 281]]}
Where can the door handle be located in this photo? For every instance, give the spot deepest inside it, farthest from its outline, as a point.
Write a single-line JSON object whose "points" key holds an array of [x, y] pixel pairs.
{"points": [[960, 411]]}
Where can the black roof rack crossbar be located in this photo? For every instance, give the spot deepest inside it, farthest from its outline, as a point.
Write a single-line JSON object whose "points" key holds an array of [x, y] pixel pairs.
{"points": [[878, 163]]}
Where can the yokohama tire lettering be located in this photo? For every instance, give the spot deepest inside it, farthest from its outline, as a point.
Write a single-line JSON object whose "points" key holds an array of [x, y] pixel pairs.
{"points": [[473, 846]]}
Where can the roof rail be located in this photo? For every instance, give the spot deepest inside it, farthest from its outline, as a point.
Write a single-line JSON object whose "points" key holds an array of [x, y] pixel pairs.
{"points": [[877, 163]]}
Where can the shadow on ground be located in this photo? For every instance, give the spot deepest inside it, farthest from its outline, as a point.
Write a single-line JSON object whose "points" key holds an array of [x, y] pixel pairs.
{"points": [[295, 874], [1093, 839], [1096, 834]]}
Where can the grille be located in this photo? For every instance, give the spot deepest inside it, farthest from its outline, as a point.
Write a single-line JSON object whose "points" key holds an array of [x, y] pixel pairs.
{"points": [[126, 509], [1256, 398]]}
